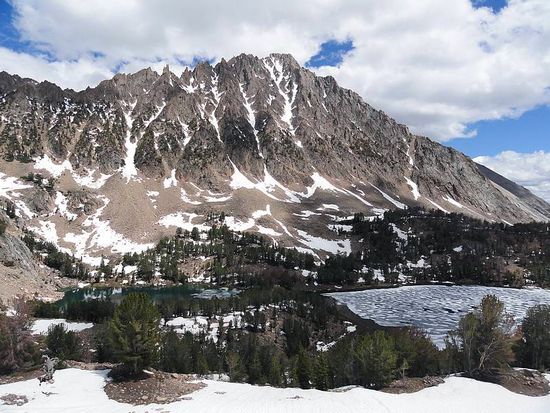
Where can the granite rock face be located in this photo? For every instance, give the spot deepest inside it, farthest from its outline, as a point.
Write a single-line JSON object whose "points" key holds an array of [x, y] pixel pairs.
{"points": [[267, 121]]}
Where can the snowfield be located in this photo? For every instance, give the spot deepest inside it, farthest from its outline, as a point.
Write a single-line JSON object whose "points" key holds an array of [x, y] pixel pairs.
{"points": [[435, 308], [82, 391], [42, 325]]}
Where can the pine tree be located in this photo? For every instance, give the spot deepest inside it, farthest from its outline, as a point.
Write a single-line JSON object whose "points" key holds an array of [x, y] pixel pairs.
{"points": [[375, 359], [195, 236], [63, 344], [234, 367], [321, 372], [303, 370], [275, 372], [201, 365], [135, 332], [255, 368], [535, 348]]}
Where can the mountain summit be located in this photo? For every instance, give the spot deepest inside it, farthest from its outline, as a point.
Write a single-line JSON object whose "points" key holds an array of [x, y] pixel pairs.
{"points": [[277, 149]]}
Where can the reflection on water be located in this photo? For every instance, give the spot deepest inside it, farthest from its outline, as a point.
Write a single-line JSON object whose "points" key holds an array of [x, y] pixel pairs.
{"points": [[157, 294]]}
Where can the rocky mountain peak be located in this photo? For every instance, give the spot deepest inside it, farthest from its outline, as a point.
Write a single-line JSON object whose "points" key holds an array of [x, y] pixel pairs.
{"points": [[248, 130]]}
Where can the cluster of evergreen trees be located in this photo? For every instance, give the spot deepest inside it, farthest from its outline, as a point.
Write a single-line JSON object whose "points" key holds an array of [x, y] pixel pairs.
{"points": [[67, 264], [276, 341], [455, 248], [483, 345], [230, 250], [255, 355]]}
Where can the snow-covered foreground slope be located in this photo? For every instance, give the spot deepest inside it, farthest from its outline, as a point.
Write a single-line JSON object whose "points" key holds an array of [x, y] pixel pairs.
{"points": [[82, 391]]}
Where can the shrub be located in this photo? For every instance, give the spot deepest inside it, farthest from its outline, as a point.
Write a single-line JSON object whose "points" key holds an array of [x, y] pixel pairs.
{"points": [[42, 309], [18, 350], [63, 344], [483, 340]]}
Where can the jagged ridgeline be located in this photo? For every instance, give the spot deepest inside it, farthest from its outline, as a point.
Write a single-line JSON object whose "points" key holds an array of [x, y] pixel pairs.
{"points": [[283, 152]]}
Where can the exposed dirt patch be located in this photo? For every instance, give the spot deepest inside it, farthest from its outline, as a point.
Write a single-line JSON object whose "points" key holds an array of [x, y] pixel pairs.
{"points": [[412, 384], [158, 388], [527, 382], [14, 399], [21, 376]]}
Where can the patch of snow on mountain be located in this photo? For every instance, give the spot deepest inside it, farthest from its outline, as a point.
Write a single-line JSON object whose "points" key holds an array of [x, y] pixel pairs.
{"points": [[398, 204], [182, 220], [414, 188], [190, 88], [171, 180], [453, 202], [185, 198], [155, 115], [238, 180], [213, 199], [9, 184], [262, 212], [152, 195], [319, 182], [306, 214], [437, 206], [275, 69], [267, 186], [21, 208], [318, 243], [236, 225], [284, 228], [102, 236], [89, 181], [185, 130], [129, 169], [251, 117], [47, 164], [340, 227], [402, 235], [421, 263], [61, 203], [47, 231], [80, 242], [268, 231]]}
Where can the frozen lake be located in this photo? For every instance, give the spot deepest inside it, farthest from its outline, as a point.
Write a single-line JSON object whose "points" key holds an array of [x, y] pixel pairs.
{"points": [[434, 308]]}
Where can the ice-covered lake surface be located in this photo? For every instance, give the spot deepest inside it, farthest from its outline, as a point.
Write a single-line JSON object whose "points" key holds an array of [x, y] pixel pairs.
{"points": [[435, 308]]}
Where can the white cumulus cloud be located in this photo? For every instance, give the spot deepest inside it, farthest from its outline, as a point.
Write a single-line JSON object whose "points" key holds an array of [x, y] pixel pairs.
{"points": [[435, 65], [531, 170]]}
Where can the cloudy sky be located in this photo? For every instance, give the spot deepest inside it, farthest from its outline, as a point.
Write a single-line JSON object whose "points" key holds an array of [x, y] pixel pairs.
{"points": [[474, 74]]}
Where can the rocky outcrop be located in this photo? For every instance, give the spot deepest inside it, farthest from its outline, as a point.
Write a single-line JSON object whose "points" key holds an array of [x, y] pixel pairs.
{"points": [[21, 272]]}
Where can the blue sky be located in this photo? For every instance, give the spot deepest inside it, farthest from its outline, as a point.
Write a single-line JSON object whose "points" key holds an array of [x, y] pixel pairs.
{"points": [[528, 133], [331, 53], [444, 68], [495, 5]]}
